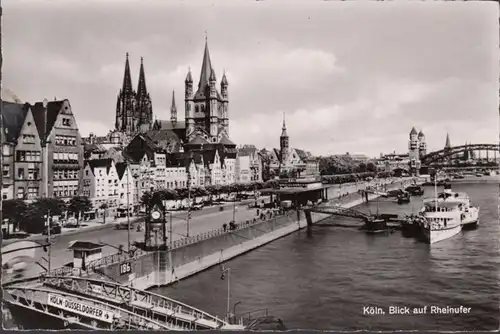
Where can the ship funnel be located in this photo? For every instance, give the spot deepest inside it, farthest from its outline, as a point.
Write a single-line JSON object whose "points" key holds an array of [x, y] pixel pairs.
{"points": [[447, 188]]}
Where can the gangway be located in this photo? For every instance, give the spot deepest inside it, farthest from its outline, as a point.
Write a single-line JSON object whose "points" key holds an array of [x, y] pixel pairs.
{"points": [[339, 211], [79, 312], [163, 309]]}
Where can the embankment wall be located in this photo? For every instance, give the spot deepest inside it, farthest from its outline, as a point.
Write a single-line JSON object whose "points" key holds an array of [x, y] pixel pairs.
{"points": [[195, 254]]}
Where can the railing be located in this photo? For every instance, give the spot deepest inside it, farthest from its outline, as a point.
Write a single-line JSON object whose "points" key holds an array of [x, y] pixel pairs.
{"points": [[118, 258], [117, 293], [114, 317]]}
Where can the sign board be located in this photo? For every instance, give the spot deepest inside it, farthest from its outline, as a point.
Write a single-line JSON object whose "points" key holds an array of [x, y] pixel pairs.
{"points": [[78, 307], [125, 268]]}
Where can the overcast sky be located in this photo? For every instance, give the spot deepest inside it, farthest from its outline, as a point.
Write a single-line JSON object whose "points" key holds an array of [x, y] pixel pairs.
{"points": [[350, 76]]}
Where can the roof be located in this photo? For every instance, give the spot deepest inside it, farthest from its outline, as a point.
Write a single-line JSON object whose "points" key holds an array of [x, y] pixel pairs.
{"points": [[206, 74], [198, 140], [413, 131], [169, 125], [226, 141], [84, 245], [120, 169], [447, 144], [302, 154], [421, 134], [247, 150], [100, 163], [53, 109], [14, 115]]}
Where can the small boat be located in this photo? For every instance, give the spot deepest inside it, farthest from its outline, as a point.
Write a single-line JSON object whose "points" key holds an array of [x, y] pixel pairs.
{"points": [[415, 190]]}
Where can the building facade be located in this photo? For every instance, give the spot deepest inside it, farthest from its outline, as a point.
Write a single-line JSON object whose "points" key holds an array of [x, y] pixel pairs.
{"points": [[101, 184], [62, 148], [248, 165]]}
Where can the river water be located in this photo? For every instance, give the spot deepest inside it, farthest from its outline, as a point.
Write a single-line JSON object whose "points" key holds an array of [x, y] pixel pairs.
{"points": [[323, 278]]}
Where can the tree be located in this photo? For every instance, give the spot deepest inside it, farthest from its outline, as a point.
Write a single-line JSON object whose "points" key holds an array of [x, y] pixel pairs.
{"points": [[14, 210], [271, 184], [34, 219], [370, 167], [79, 204], [146, 198]]}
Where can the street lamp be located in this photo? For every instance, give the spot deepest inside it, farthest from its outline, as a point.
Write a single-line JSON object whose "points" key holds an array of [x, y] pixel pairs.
{"points": [[46, 153], [223, 275]]}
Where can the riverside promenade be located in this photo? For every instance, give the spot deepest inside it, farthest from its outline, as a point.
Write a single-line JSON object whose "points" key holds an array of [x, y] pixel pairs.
{"points": [[213, 247]]}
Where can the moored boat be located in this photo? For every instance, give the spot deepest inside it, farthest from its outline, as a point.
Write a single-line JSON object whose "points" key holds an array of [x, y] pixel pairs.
{"points": [[442, 221]]}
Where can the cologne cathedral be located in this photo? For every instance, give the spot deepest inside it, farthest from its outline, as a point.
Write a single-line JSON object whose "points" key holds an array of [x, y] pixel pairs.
{"points": [[134, 112]]}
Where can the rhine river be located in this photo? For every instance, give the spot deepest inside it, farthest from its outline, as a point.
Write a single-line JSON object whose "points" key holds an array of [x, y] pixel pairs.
{"points": [[322, 279]]}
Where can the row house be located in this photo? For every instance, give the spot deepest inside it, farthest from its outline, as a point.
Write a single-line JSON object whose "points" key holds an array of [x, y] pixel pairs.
{"points": [[22, 153], [101, 184], [42, 151], [62, 148], [126, 189], [211, 167], [248, 165]]}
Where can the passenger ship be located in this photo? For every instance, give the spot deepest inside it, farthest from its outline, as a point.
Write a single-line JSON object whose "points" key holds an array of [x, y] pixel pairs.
{"points": [[446, 214]]}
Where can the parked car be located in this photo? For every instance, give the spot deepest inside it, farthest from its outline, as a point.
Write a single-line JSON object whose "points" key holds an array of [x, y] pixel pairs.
{"points": [[196, 207]]}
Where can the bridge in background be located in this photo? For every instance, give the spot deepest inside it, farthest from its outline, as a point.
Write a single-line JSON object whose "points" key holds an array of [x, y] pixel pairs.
{"points": [[447, 153]]}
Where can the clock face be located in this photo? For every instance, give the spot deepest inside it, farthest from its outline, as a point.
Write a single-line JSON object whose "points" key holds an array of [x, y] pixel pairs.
{"points": [[155, 215]]}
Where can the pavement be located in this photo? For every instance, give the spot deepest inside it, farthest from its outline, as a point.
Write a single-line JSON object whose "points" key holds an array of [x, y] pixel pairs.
{"points": [[201, 221]]}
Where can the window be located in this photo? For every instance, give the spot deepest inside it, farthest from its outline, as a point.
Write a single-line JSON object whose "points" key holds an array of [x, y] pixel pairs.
{"points": [[20, 156], [6, 170], [66, 121], [28, 139], [20, 193], [7, 150], [32, 193], [33, 174], [20, 173]]}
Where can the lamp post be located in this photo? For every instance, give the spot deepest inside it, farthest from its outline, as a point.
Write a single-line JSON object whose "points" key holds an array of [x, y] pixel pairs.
{"points": [[228, 271], [128, 206], [47, 217], [46, 152]]}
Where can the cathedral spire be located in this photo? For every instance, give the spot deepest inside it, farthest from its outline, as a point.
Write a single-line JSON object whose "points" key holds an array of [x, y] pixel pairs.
{"points": [[127, 80], [206, 68], [173, 109], [141, 86]]}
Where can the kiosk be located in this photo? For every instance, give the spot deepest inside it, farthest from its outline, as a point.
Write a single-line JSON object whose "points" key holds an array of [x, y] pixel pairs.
{"points": [[85, 252]]}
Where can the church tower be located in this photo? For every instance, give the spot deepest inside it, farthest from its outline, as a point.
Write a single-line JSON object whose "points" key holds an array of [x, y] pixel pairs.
{"points": [[284, 143], [189, 104], [206, 109], [225, 102], [144, 110], [126, 104]]}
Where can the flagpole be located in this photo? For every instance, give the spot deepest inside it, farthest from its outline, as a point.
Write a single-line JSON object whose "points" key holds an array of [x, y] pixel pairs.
{"points": [[228, 292]]}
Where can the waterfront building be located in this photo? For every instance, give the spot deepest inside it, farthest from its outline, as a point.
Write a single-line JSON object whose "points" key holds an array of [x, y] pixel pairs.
{"points": [[43, 151], [100, 183], [22, 153], [288, 162], [211, 167], [62, 146], [248, 165], [126, 189]]}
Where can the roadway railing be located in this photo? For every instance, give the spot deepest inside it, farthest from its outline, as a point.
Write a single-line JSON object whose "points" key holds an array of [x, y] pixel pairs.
{"points": [[118, 258]]}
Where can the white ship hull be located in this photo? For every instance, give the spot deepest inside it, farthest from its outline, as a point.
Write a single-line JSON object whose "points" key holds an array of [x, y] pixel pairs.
{"points": [[431, 236]]}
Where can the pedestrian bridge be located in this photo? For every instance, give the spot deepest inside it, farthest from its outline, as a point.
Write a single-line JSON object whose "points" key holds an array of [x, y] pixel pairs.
{"points": [[115, 306], [337, 211]]}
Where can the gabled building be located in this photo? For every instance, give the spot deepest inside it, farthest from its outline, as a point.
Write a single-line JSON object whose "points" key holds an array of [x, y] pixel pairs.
{"points": [[126, 189], [248, 165], [62, 148], [291, 162], [101, 185], [17, 152], [212, 167]]}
